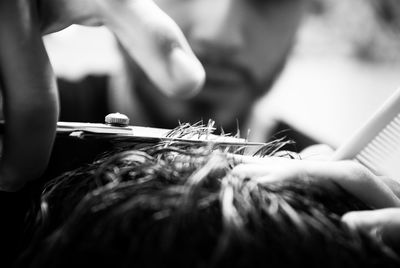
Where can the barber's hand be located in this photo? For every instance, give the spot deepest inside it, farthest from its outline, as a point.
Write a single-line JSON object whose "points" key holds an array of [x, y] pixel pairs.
{"points": [[151, 38], [351, 176], [383, 222], [317, 152], [28, 83], [29, 95], [379, 192]]}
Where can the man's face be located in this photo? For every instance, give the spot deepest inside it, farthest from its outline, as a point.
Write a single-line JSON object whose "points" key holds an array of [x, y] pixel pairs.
{"points": [[242, 44]]}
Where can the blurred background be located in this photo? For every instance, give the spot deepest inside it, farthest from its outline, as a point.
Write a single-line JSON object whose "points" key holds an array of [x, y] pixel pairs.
{"points": [[345, 64]]}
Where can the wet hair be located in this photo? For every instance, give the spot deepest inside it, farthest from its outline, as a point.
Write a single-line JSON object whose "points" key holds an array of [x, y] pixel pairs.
{"points": [[179, 205]]}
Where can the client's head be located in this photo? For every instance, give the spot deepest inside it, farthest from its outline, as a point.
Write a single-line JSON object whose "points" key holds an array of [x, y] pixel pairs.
{"points": [[180, 206]]}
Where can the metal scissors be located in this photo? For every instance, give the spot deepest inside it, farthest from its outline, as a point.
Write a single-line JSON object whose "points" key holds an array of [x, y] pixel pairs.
{"points": [[147, 134]]}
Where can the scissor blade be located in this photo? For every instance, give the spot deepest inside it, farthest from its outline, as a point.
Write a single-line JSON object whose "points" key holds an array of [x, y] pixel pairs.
{"points": [[144, 134]]}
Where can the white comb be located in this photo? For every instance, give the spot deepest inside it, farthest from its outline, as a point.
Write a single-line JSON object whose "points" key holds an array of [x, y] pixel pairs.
{"points": [[377, 144]]}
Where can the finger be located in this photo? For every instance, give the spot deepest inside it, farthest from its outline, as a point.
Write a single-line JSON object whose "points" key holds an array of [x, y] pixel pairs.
{"points": [[355, 179], [269, 169], [276, 172], [317, 152], [351, 176], [249, 159], [250, 171], [157, 45], [385, 222], [30, 96], [393, 184], [359, 181]]}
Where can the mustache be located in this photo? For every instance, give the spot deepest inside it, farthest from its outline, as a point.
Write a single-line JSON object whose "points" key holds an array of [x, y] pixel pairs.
{"points": [[227, 65], [233, 67]]}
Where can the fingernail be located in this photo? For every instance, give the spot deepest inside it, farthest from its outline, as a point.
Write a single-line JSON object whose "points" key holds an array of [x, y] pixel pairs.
{"points": [[186, 72], [350, 220]]}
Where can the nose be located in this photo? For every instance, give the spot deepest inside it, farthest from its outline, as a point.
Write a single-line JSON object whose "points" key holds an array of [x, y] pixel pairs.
{"points": [[217, 26]]}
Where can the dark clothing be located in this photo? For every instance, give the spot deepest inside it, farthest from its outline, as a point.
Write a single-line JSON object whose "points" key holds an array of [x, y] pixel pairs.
{"points": [[14, 208], [84, 100]]}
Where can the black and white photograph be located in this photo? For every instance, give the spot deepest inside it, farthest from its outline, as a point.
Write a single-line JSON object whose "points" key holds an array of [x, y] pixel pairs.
{"points": [[199, 133]]}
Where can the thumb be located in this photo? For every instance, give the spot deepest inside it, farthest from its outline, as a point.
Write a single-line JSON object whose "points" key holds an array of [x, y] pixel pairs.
{"points": [[385, 222]]}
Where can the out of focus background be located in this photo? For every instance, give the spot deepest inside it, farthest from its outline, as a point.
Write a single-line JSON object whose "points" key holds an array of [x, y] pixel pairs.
{"points": [[345, 64]]}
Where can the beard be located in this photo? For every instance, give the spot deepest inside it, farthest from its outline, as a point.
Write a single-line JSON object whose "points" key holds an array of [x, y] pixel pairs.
{"points": [[227, 100]]}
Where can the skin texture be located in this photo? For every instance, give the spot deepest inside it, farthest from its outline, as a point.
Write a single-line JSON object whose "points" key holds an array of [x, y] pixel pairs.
{"points": [[384, 222], [243, 46], [380, 193], [28, 84], [30, 96]]}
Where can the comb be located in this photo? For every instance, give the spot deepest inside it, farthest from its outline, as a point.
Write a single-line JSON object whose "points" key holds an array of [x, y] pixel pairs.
{"points": [[376, 145]]}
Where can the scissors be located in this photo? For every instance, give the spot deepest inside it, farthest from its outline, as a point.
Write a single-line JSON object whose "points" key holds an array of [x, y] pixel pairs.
{"points": [[184, 134]]}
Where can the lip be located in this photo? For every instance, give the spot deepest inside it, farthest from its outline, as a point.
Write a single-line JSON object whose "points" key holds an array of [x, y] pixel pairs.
{"points": [[224, 80], [217, 91], [223, 77]]}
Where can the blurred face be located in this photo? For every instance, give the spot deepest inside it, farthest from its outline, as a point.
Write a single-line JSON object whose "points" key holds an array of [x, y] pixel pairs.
{"points": [[242, 44]]}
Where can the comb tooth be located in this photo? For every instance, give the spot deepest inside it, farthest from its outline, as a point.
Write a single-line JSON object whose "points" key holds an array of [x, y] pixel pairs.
{"points": [[395, 126], [390, 134], [382, 164], [395, 129], [388, 139], [378, 153], [390, 167], [383, 152], [377, 143], [391, 138], [383, 144], [366, 162], [379, 147], [396, 122], [397, 118], [374, 154], [391, 131], [375, 160]]}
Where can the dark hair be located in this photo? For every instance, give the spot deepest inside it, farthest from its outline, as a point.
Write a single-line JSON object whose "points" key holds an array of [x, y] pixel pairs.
{"points": [[180, 206]]}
